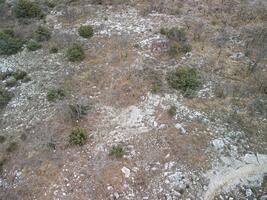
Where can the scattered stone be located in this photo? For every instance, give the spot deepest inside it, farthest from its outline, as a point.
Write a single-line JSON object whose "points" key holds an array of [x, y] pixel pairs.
{"points": [[126, 172]]}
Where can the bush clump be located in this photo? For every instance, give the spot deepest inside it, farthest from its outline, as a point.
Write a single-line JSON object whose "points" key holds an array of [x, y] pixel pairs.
{"points": [[42, 33], [9, 44], [177, 41], [32, 45], [54, 94], [28, 9], [78, 137], [117, 151], [183, 78], [172, 111], [5, 97], [75, 53], [86, 31], [53, 49]]}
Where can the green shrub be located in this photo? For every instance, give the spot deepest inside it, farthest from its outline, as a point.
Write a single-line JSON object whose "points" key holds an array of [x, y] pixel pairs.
{"points": [[172, 111], [86, 31], [77, 111], [117, 151], [5, 97], [9, 44], [28, 9], [75, 53], [19, 74], [55, 94], [53, 49], [78, 137], [32, 45], [184, 78], [42, 33]]}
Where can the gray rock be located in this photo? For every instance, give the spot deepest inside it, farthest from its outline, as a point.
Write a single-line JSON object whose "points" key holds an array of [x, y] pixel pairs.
{"points": [[264, 197]]}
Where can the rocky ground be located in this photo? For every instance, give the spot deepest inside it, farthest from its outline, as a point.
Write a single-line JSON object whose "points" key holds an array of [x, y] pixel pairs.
{"points": [[205, 151]]}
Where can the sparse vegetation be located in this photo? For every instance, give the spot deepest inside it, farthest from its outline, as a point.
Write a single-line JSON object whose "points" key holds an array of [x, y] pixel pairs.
{"points": [[117, 151], [42, 33], [9, 44], [75, 53], [28, 9], [32, 45], [172, 111], [177, 41], [86, 31], [5, 97], [53, 49], [55, 94], [77, 111], [183, 78], [78, 137]]}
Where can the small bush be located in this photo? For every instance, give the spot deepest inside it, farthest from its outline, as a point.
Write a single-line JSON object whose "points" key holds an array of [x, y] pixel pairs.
{"points": [[86, 31], [172, 111], [184, 78], [19, 74], [9, 44], [77, 110], [78, 137], [28, 9], [5, 97], [75, 53], [53, 49], [117, 151], [32, 45], [42, 33], [54, 94]]}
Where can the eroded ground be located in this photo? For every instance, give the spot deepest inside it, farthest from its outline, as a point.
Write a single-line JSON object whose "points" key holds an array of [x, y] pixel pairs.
{"points": [[199, 153]]}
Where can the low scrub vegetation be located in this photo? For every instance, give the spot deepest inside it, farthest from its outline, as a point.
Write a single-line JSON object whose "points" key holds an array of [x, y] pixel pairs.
{"points": [[42, 33], [53, 49], [75, 53], [172, 111], [28, 9], [5, 97], [183, 78], [77, 111], [86, 31], [9, 44], [78, 137], [55, 94], [177, 41], [32, 45], [117, 151]]}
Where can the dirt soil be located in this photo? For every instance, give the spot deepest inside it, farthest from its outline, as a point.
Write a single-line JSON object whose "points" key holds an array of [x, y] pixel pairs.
{"points": [[206, 151]]}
